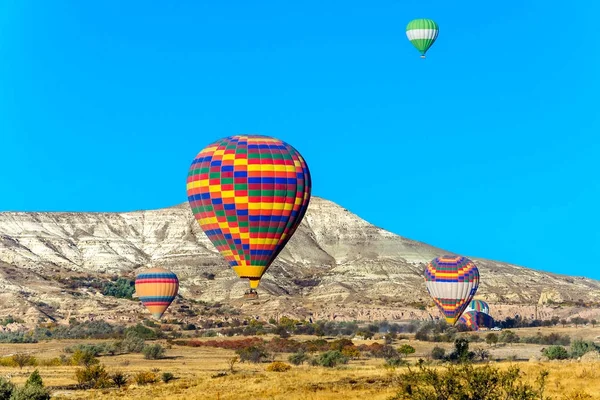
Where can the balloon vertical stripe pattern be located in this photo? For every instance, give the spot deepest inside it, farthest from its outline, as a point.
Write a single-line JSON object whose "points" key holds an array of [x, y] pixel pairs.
{"points": [[479, 306], [452, 282], [249, 193], [156, 288], [422, 33]]}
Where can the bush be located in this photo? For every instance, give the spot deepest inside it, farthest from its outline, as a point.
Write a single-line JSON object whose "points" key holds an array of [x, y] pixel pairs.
{"points": [[119, 379], [21, 360], [487, 382], [406, 349], [254, 354], [331, 358], [154, 352], [394, 362], [461, 351], [32, 390], [438, 353], [580, 347], [298, 358], [167, 377], [278, 366], [132, 343], [6, 388], [122, 288], [508, 337], [491, 339], [93, 376], [31, 393], [84, 357], [556, 353], [145, 378]]}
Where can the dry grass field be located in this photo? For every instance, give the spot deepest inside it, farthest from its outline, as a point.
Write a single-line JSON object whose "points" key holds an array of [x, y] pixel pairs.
{"points": [[197, 371]]}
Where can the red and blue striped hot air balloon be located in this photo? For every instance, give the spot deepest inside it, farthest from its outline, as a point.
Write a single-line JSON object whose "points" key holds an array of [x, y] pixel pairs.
{"points": [[452, 282], [156, 288], [249, 193], [476, 320]]}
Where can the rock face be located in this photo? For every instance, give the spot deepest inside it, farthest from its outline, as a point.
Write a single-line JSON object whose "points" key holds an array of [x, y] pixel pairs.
{"points": [[337, 266]]}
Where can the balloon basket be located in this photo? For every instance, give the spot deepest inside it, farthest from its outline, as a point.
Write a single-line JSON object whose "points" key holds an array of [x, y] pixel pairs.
{"points": [[422, 56], [251, 295]]}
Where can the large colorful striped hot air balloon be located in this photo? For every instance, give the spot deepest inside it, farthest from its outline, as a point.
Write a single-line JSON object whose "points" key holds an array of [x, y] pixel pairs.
{"points": [[249, 193], [452, 282], [156, 288], [476, 320], [422, 33], [479, 306]]}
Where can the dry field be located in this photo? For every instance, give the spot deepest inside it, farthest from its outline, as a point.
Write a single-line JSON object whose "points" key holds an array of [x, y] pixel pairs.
{"points": [[196, 370]]}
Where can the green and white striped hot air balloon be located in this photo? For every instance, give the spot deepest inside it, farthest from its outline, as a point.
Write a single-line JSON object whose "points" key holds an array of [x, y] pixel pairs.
{"points": [[422, 34]]}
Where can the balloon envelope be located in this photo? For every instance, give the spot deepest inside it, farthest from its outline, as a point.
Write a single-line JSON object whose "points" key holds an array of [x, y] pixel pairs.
{"points": [[249, 193], [476, 320], [422, 33], [156, 289], [478, 305], [452, 282]]}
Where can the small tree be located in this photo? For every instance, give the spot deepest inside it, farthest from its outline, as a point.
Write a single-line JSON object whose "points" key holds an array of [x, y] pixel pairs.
{"points": [[405, 350], [22, 360], [482, 354], [6, 388], [491, 339], [298, 358], [154, 352], [119, 379], [556, 353], [563, 322], [438, 353], [167, 377], [231, 362], [331, 358]]}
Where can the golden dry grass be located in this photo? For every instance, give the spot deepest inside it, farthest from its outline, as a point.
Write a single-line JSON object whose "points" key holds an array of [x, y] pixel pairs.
{"points": [[196, 368]]}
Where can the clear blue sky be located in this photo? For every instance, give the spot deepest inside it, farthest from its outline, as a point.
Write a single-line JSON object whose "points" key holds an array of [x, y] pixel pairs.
{"points": [[488, 147]]}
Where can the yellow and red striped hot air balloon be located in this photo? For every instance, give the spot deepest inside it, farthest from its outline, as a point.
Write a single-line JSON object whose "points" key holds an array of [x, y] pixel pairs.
{"points": [[156, 288], [452, 282], [249, 193]]}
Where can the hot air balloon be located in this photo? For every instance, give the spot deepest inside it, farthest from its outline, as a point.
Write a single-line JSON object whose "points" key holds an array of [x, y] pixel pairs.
{"points": [[422, 33], [156, 288], [452, 282], [249, 193], [478, 305], [476, 320]]}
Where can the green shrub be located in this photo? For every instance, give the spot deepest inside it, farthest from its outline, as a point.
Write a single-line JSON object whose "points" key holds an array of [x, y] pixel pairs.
{"points": [[93, 376], [298, 358], [167, 377], [30, 393], [438, 353], [132, 343], [154, 352], [469, 383], [6, 388], [556, 353], [122, 288], [331, 358], [84, 357], [119, 379], [580, 347], [254, 354]]}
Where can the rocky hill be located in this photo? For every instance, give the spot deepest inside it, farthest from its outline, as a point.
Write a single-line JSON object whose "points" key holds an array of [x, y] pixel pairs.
{"points": [[337, 266]]}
